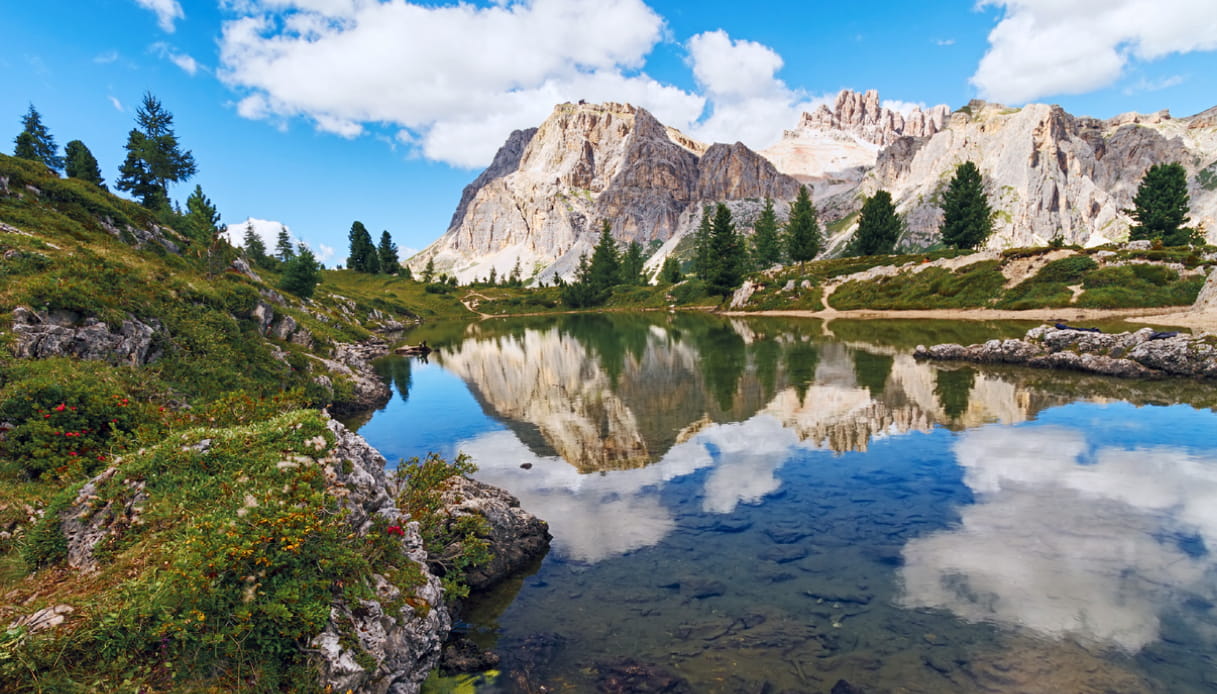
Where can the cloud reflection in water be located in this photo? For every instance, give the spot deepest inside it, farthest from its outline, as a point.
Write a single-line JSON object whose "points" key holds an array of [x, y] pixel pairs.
{"points": [[1067, 541]]}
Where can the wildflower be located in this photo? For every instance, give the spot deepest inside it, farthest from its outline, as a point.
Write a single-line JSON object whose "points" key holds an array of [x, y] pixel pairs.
{"points": [[71, 452], [395, 530], [60, 407]]}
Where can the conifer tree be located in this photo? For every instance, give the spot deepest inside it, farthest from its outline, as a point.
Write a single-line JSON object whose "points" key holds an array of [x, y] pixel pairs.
{"points": [[35, 142], [879, 227], [386, 253], [702, 252], [727, 254], [429, 271], [301, 272], [363, 256], [202, 219], [604, 269], [1161, 206], [580, 293], [967, 219], [283, 245], [493, 278], [406, 273], [154, 157], [802, 229], [255, 248], [670, 272], [766, 247], [515, 279], [632, 262], [80, 163]]}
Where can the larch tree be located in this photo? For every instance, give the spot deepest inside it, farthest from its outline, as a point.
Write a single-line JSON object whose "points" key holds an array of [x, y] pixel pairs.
{"points": [[1161, 205], [35, 142], [879, 227], [967, 219], [154, 157], [802, 229], [80, 163]]}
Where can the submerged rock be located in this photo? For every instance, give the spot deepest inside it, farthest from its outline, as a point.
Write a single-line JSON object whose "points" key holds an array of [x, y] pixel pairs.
{"points": [[1144, 353]]}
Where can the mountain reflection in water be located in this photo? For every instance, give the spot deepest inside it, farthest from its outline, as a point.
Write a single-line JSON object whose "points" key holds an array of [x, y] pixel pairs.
{"points": [[755, 503]]}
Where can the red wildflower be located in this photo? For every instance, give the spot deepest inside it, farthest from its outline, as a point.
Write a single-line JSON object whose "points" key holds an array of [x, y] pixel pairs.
{"points": [[395, 530], [60, 407]]}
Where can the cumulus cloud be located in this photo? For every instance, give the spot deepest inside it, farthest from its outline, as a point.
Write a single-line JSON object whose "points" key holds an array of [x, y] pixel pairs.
{"points": [[1067, 540], [458, 78], [167, 12], [267, 230], [749, 103], [188, 64], [1046, 47]]}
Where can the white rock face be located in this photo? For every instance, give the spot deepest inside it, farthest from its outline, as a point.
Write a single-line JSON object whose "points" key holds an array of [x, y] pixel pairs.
{"points": [[1047, 173], [542, 201], [835, 146]]}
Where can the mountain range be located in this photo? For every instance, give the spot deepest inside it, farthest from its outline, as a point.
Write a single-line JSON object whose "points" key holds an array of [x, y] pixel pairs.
{"points": [[1048, 174]]}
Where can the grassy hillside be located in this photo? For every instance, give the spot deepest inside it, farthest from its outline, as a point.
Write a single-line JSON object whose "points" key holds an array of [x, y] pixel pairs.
{"points": [[198, 588]]}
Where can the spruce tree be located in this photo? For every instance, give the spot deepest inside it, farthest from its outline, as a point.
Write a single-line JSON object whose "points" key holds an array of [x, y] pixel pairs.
{"points": [[202, 219], [766, 247], [632, 262], [515, 279], [1161, 206], [967, 219], [670, 272], [802, 229], [363, 256], [301, 272], [727, 253], [579, 293], [80, 163], [493, 278], [386, 253], [255, 248], [604, 269], [154, 157], [429, 271], [406, 273], [283, 245], [35, 142], [702, 252], [879, 227]]}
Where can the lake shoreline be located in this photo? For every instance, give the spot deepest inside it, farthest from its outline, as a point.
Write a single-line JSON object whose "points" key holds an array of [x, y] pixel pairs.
{"points": [[1160, 315]]}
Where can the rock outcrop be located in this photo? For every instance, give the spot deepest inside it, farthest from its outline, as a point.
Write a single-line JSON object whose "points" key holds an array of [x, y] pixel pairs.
{"points": [[831, 146], [542, 201], [351, 361], [1047, 173], [68, 334], [1141, 354], [516, 537]]}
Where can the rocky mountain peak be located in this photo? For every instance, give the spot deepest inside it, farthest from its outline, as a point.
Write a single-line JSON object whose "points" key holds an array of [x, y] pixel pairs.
{"points": [[863, 115]]}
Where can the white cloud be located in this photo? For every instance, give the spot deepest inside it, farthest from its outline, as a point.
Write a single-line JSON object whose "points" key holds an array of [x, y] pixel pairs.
{"points": [[167, 11], [106, 57], [1148, 85], [324, 252], [1069, 541], [1046, 47], [749, 103], [188, 64], [903, 107], [267, 230], [944, 42], [118, 105], [459, 78]]}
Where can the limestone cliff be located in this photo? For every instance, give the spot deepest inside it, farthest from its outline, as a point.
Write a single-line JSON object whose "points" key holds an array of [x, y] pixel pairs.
{"points": [[542, 200], [1047, 173]]}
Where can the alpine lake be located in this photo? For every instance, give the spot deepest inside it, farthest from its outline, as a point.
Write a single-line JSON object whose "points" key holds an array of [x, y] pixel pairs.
{"points": [[776, 505]]}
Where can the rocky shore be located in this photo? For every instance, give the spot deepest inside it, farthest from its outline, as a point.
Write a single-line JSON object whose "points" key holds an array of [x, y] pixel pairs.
{"points": [[1145, 353]]}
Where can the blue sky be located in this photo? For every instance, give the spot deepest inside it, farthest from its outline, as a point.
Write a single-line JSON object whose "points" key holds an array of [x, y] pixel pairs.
{"points": [[315, 113]]}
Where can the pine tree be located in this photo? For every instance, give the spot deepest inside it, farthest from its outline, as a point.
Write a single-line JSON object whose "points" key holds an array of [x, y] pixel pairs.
{"points": [[766, 247], [154, 157], [515, 279], [493, 278], [301, 272], [1161, 206], [429, 271], [579, 293], [727, 252], [80, 163], [632, 262], [202, 219], [967, 219], [283, 245], [702, 252], [604, 269], [363, 256], [35, 142], [879, 227], [386, 253], [802, 229], [255, 248], [406, 273]]}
